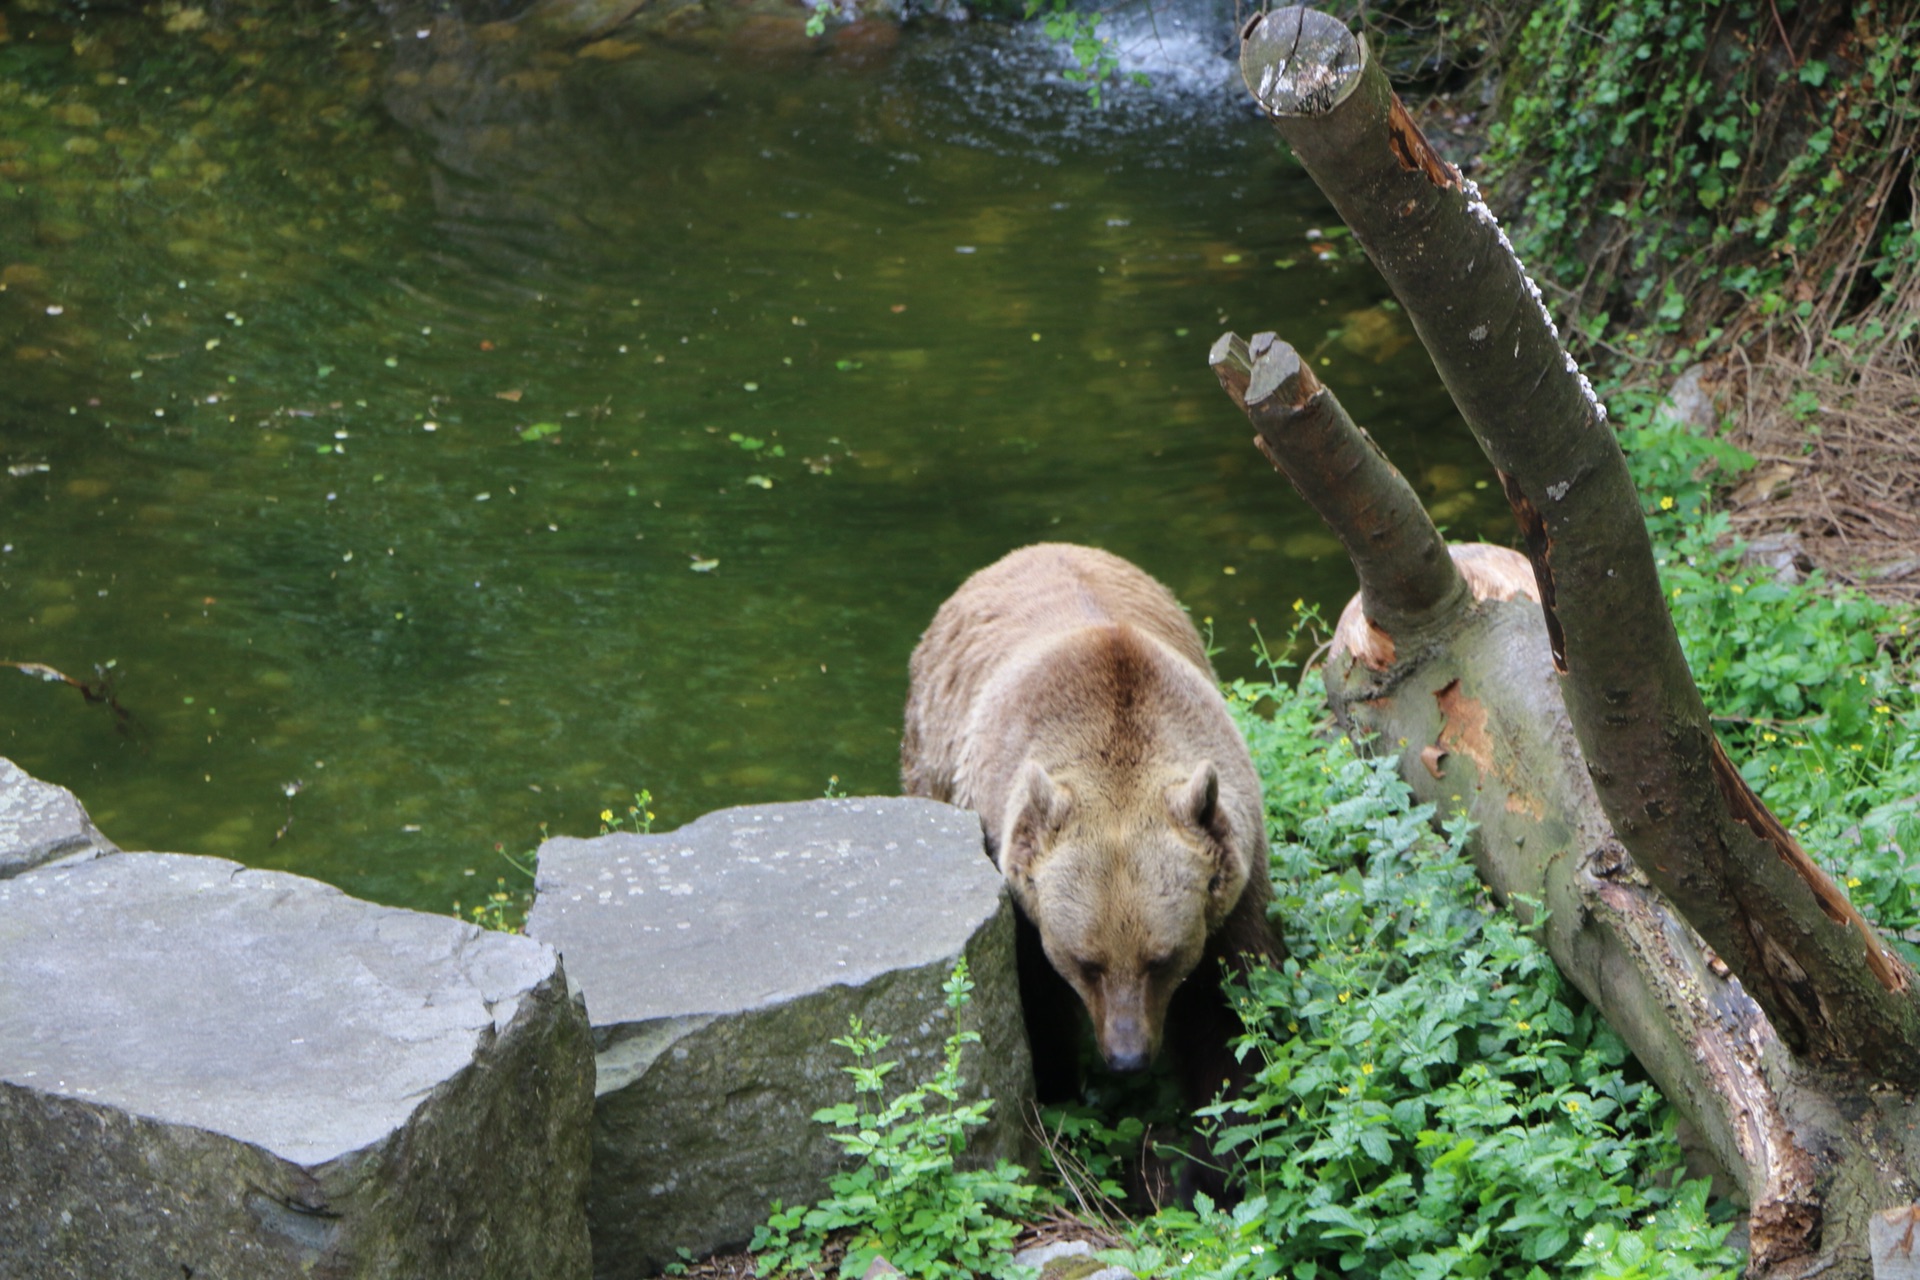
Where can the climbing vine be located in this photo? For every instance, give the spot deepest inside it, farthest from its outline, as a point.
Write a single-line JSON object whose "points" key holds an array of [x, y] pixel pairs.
{"points": [[1732, 167]]}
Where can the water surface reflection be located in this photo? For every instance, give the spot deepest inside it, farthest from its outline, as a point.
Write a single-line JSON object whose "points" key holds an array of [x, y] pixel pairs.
{"points": [[474, 431]]}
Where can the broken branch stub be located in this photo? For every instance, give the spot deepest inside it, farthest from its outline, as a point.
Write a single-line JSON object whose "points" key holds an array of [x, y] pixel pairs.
{"points": [[1408, 582], [1834, 991], [1309, 61]]}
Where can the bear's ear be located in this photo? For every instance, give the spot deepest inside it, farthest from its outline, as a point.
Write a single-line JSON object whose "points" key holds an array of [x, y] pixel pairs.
{"points": [[1037, 806], [1197, 804]]}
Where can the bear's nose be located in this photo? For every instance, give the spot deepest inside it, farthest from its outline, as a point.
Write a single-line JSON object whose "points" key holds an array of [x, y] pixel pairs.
{"points": [[1125, 1045]]}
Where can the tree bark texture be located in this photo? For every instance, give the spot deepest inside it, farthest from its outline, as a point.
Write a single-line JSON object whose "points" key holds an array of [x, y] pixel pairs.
{"points": [[1835, 993]]}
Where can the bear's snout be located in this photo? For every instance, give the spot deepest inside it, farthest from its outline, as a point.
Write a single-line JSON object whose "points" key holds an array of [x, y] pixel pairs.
{"points": [[1125, 1044]]}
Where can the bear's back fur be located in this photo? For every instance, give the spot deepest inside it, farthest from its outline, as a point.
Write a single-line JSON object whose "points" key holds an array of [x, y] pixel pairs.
{"points": [[1044, 617]]}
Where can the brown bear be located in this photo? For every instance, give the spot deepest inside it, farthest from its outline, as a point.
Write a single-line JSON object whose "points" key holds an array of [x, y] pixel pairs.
{"points": [[1064, 695]]}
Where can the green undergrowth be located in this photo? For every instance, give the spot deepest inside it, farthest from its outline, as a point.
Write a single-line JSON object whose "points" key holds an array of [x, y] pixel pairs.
{"points": [[1431, 1100], [1812, 686], [902, 1197], [1683, 167]]}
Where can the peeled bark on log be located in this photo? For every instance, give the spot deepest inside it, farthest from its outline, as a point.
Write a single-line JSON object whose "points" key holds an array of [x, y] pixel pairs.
{"points": [[1790, 1035], [1837, 995]]}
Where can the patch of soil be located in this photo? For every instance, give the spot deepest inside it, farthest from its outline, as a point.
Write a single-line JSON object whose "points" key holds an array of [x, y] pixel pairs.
{"points": [[1838, 450]]}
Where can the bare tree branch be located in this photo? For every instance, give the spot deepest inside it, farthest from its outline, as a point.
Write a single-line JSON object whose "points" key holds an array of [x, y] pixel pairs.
{"points": [[1407, 580]]}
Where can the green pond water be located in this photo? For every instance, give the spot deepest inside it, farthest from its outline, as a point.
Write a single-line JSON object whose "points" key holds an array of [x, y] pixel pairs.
{"points": [[464, 430]]}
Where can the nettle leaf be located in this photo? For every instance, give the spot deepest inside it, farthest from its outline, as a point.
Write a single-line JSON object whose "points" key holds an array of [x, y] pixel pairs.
{"points": [[1377, 1145], [1549, 1243]]}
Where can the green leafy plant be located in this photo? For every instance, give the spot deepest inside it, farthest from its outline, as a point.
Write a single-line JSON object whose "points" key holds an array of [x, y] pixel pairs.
{"points": [[1096, 57], [1812, 686], [1431, 1101], [505, 908], [1090, 1152], [1659, 185], [638, 818], [905, 1198]]}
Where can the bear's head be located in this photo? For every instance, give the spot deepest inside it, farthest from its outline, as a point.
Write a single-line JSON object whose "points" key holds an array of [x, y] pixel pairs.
{"points": [[1125, 890]]}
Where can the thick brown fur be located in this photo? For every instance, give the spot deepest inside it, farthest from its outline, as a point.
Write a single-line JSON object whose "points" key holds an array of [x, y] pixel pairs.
{"points": [[1064, 695]]}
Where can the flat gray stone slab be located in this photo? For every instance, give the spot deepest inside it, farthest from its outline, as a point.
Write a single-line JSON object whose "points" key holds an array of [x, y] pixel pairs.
{"points": [[214, 1071], [719, 961], [41, 823]]}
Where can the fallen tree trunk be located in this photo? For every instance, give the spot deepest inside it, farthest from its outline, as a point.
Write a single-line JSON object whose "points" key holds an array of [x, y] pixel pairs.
{"points": [[1568, 726]]}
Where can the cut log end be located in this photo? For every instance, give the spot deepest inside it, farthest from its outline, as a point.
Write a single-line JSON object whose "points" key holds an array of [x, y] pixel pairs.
{"points": [[1299, 61], [1279, 370]]}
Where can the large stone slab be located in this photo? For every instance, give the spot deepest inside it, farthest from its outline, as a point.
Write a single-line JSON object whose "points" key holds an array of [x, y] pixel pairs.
{"points": [[215, 1072], [719, 962], [41, 823]]}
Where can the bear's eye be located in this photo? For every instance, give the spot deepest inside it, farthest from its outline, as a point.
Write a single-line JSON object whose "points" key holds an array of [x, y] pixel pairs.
{"points": [[1091, 973], [1160, 965]]}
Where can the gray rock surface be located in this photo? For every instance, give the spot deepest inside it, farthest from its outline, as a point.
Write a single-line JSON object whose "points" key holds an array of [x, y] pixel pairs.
{"points": [[41, 823], [1039, 1255], [1691, 401], [1069, 1260], [217, 1072], [1782, 553], [719, 961]]}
